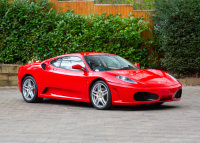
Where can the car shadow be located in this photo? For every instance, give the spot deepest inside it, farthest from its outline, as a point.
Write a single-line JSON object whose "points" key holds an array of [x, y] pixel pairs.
{"points": [[146, 107], [67, 103]]}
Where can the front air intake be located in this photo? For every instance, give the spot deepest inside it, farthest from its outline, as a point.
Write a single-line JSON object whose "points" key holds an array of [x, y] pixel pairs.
{"points": [[145, 96], [178, 94]]}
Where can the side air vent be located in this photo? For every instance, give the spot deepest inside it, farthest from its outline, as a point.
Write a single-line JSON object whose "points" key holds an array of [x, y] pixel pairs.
{"points": [[43, 66], [44, 91]]}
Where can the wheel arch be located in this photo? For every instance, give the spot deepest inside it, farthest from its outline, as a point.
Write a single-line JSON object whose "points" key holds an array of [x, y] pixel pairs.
{"points": [[25, 77], [95, 80]]}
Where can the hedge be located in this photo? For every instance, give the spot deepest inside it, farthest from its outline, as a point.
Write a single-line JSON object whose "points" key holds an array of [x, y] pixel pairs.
{"points": [[177, 25], [33, 30]]}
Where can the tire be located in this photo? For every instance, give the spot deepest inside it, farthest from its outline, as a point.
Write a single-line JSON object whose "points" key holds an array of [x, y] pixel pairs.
{"points": [[100, 95], [29, 90], [157, 104]]}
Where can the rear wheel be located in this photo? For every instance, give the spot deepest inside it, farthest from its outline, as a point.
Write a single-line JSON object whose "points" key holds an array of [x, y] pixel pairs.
{"points": [[100, 95], [29, 90]]}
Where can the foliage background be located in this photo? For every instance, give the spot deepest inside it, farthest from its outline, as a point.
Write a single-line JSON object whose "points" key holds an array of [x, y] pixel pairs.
{"points": [[177, 27], [33, 30]]}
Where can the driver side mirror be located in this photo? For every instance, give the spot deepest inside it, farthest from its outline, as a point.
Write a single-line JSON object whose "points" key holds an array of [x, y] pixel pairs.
{"points": [[78, 67], [137, 65]]}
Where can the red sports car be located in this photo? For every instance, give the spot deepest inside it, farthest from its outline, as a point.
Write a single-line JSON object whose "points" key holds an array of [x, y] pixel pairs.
{"points": [[101, 78]]}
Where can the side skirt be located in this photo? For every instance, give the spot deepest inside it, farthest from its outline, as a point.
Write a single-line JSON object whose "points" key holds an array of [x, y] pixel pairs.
{"points": [[55, 96]]}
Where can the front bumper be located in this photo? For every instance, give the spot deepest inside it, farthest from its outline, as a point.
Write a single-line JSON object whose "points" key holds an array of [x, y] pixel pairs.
{"points": [[124, 95]]}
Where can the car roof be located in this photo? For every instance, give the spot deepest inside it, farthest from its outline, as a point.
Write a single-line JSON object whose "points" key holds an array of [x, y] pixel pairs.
{"points": [[80, 54], [88, 53]]}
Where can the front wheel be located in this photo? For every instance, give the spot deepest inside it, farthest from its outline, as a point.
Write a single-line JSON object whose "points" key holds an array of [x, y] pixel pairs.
{"points": [[29, 90], [100, 95]]}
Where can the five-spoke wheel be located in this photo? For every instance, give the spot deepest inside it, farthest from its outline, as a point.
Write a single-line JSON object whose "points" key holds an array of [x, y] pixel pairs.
{"points": [[100, 95], [29, 90]]}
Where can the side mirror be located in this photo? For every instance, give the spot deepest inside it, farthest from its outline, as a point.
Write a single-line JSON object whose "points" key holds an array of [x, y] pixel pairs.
{"points": [[137, 65], [78, 67]]}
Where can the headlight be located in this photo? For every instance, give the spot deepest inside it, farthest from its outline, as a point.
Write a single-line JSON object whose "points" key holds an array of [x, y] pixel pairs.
{"points": [[172, 77], [125, 79]]}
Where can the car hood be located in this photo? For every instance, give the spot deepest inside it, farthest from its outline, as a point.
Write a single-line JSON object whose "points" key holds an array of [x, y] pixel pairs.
{"points": [[147, 77]]}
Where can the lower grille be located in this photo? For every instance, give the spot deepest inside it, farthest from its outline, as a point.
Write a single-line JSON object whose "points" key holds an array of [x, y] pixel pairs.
{"points": [[145, 96]]}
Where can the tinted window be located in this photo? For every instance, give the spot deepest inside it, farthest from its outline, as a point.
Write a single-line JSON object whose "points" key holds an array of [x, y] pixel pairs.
{"points": [[56, 62], [108, 62], [69, 61]]}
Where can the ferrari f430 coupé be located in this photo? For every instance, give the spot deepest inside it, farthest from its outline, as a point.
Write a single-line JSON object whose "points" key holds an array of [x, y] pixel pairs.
{"points": [[100, 78]]}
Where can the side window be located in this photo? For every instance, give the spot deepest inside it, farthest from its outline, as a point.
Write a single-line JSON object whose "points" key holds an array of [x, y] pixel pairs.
{"points": [[56, 62], [69, 61]]}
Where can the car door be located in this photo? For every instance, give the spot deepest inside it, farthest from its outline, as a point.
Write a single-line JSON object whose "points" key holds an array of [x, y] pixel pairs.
{"points": [[70, 82]]}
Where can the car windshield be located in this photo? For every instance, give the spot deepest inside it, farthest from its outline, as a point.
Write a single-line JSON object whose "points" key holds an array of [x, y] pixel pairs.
{"points": [[108, 62]]}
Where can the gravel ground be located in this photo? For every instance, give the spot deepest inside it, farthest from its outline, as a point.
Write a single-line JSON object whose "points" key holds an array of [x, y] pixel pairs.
{"points": [[67, 121]]}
